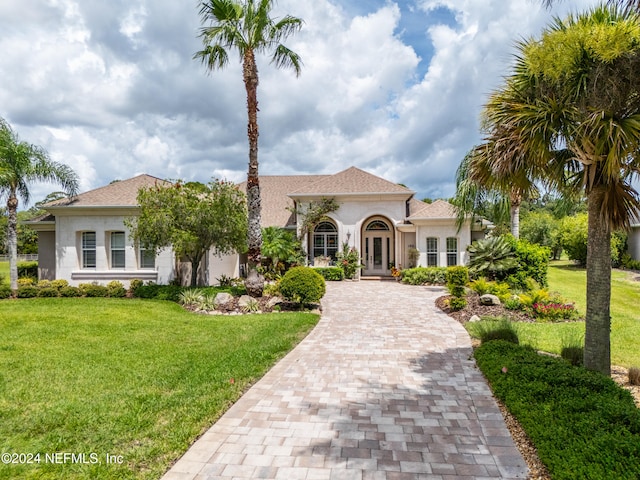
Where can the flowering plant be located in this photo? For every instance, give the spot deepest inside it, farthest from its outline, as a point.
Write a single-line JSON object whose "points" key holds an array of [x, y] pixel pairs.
{"points": [[396, 272], [349, 260], [554, 312]]}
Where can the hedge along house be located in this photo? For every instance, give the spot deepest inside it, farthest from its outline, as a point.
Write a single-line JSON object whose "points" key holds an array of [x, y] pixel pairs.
{"points": [[84, 239], [379, 218]]}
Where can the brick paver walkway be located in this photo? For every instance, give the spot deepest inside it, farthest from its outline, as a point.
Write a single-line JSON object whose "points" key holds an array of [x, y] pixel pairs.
{"points": [[383, 388]]}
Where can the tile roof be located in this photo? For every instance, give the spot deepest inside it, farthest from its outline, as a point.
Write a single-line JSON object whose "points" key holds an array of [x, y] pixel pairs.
{"points": [[437, 209], [351, 181], [123, 193]]}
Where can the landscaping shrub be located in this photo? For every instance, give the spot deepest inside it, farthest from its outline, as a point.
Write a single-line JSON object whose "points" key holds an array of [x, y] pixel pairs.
{"points": [[348, 260], [271, 289], [26, 282], [533, 262], [159, 292], [5, 291], [59, 284], [28, 269], [424, 276], [582, 424], [69, 291], [48, 292], [2, 278], [331, 273], [480, 286], [491, 328], [27, 291], [115, 289], [457, 278], [512, 303], [629, 263], [93, 290], [302, 285], [457, 303], [134, 285], [43, 284], [493, 257], [500, 290]]}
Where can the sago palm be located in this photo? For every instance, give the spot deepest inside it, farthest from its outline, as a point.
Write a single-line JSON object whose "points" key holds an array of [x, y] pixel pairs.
{"points": [[246, 27], [22, 163], [572, 104]]}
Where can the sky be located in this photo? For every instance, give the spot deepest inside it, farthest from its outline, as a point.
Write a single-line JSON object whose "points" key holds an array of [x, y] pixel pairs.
{"points": [[393, 87]]}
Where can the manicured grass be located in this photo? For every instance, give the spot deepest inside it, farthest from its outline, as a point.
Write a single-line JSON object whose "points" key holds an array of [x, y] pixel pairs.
{"points": [[570, 281], [138, 379], [4, 272]]}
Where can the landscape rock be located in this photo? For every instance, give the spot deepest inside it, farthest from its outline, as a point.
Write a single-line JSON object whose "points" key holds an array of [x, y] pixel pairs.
{"points": [[223, 298], [245, 300], [474, 318], [489, 299]]}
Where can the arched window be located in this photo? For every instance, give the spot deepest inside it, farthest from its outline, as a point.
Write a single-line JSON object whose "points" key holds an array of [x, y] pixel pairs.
{"points": [[325, 240], [378, 225]]}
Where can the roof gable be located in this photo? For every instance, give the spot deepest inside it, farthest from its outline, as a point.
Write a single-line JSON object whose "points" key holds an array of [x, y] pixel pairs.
{"points": [[438, 209], [123, 193], [351, 181]]}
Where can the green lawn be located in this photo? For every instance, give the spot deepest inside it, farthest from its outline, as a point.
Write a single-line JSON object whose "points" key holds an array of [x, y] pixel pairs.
{"points": [[570, 281], [136, 379], [4, 272]]}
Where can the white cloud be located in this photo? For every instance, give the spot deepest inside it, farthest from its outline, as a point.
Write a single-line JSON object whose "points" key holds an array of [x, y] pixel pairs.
{"points": [[111, 87]]}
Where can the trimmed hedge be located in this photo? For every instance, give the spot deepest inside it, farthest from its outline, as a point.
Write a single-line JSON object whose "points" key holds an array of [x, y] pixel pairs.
{"points": [[158, 292], [28, 269], [425, 275], [330, 273], [582, 423]]}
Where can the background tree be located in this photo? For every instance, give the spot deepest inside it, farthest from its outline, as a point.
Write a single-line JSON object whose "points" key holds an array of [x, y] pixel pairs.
{"points": [[22, 163], [572, 104], [246, 26], [191, 219]]}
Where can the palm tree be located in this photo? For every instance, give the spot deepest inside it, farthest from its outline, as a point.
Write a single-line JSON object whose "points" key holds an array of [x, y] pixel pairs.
{"points": [[477, 183], [20, 164], [245, 26], [573, 105], [628, 5]]}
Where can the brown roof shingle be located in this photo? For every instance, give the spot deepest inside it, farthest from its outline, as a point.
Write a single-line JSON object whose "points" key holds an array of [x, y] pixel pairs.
{"points": [[437, 209], [351, 181], [123, 193]]}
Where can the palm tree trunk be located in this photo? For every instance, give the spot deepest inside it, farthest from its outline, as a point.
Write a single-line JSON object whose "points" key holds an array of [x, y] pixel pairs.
{"points": [[516, 201], [12, 241], [597, 343], [255, 281]]}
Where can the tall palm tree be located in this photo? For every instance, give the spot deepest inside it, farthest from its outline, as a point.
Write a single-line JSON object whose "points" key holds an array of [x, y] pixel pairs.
{"points": [[572, 104], [20, 164], [246, 26], [628, 5]]}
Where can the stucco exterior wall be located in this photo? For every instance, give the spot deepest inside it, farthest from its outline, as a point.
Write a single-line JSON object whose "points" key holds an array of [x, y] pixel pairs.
{"points": [[634, 242], [442, 229], [46, 256], [69, 253]]}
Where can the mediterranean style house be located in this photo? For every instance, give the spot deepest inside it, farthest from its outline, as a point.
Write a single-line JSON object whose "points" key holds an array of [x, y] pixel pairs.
{"points": [[84, 239]]}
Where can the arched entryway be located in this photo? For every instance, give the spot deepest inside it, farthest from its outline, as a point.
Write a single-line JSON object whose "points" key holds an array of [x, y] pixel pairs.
{"points": [[377, 246], [324, 241]]}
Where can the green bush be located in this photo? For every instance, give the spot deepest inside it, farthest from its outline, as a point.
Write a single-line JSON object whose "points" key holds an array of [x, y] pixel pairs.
{"points": [[159, 292], [135, 284], [115, 289], [271, 289], [480, 286], [493, 257], [492, 328], [533, 262], [5, 291], [582, 424], [48, 292], [69, 291], [457, 278], [457, 303], [93, 290], [331, 273], [302, 285], [2, 278], [59, 284], [425, 276], [28, 269], [27, 291], [629, 263], [348, 260], [512, 303]]}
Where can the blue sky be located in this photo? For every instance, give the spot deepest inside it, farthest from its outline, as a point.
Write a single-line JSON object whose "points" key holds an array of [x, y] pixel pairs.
{"points": [[394, 88]]}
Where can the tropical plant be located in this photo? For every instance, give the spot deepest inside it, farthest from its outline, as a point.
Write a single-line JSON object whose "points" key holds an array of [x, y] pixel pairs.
{"points": [[22, 163], [246, 27], [492, 257], [280, 247], [570, 111]]}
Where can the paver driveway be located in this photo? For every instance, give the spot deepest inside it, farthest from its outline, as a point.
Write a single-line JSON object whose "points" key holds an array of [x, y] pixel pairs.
{"points": [[383, 388]]}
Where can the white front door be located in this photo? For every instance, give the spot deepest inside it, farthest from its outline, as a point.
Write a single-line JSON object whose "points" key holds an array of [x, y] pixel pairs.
{"points": [[377, 250]]}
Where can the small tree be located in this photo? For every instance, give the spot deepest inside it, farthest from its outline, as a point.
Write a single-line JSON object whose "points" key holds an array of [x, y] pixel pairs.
{"points": [[191, 218]]}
